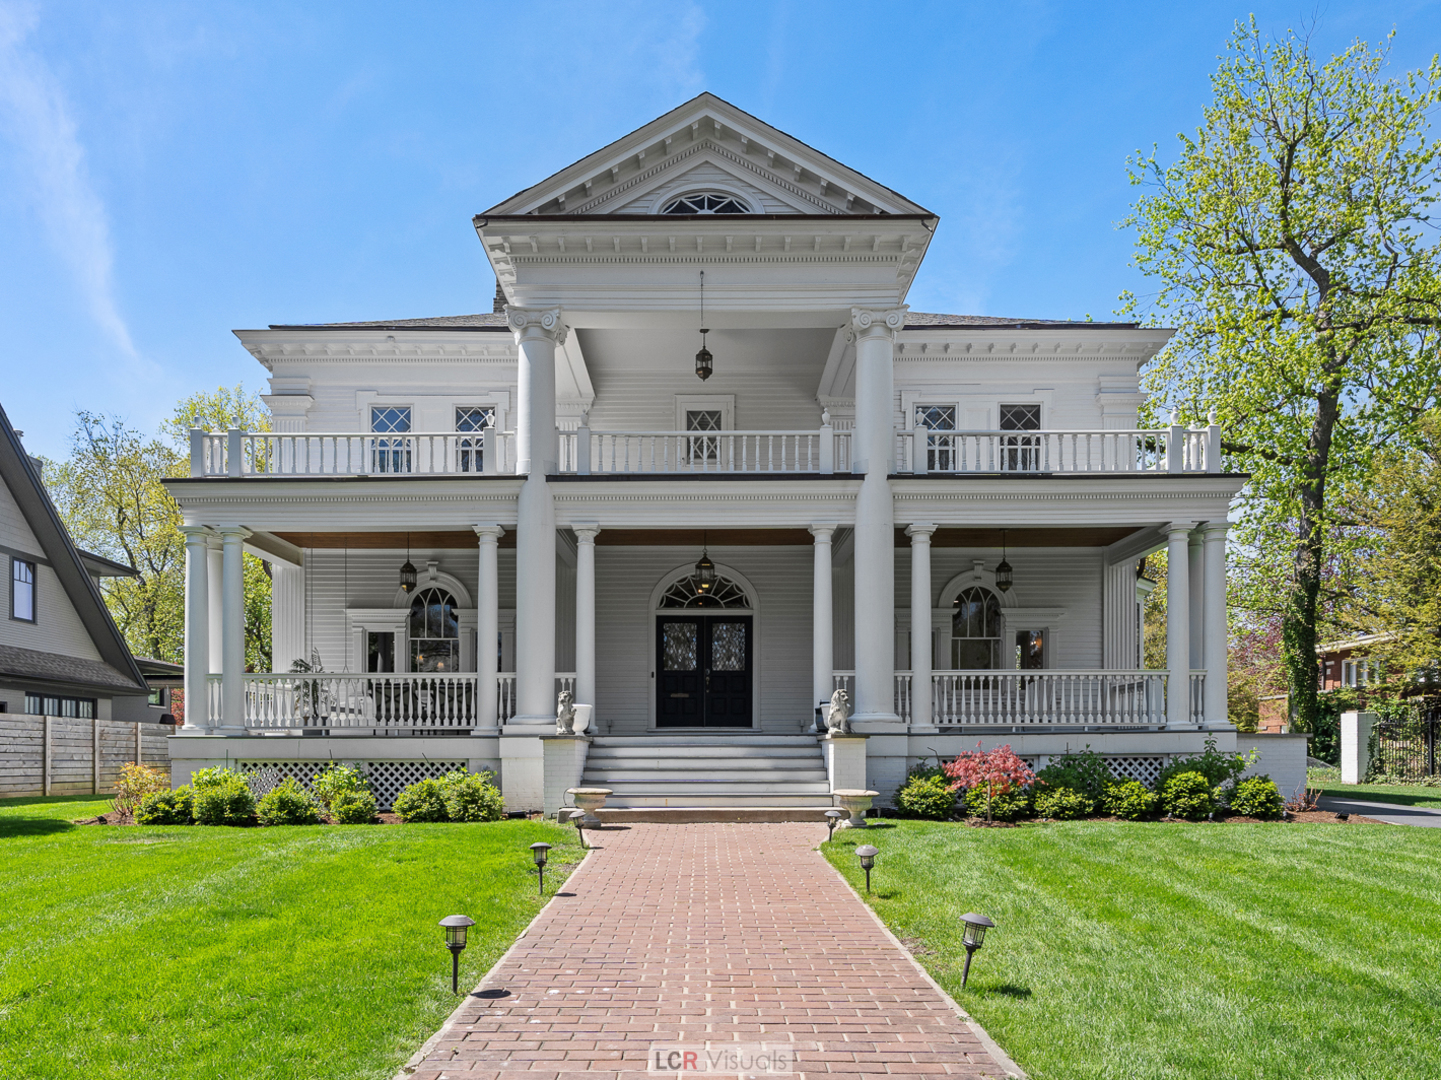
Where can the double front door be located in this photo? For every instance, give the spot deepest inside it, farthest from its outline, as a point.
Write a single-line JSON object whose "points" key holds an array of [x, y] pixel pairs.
{"points": [[703, 671]]}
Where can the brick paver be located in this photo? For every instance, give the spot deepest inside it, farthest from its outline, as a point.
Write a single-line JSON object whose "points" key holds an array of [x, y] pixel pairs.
{"points": [[705, 932]]}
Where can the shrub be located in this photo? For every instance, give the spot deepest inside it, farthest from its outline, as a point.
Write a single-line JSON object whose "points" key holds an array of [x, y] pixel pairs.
{"points": [[338, 780], [922, 771], [136, 782], [1216, 767], [1130, 800], [167, 808], [1189, 795], [1257, 797], [353, 808], [928, 797], [287, 804], [991, 772], [422, 801], [1064, 804], [226, 801], [213, 777], [1011, 805], [471, 797], [1085, 772]]}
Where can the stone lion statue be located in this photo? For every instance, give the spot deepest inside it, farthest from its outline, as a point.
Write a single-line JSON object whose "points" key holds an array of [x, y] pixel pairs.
{"points": [[565, 713], [838, 719]]}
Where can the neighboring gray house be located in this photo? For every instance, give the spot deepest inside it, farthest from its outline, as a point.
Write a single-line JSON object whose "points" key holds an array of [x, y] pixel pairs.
{"points": [[61, 654]]}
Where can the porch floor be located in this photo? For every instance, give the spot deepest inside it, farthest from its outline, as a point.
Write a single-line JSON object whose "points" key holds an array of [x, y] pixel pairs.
{"points": [[701, 934]]}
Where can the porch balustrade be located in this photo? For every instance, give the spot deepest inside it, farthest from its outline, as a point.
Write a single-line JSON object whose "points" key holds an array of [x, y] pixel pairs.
{"points": [[823, 451], [367, 701]]}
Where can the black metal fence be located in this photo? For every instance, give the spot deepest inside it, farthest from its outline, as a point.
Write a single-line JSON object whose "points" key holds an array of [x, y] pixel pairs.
{"points": [[1406, 742]]}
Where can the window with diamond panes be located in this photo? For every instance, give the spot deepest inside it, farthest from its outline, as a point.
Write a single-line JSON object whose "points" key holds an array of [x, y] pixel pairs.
{"points": [[940, 420], [472, 418], [390, 455], [704, 420], [728, 646], [679, 645], [706, 202], [1021, 453]]}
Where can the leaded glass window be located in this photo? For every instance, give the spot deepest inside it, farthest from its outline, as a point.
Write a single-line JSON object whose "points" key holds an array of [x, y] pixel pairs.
{"points": [[390, 455], [434, 631], [472, 418], [724, 594], [940, 420], [728, 646], [1021, 453], [976, 630], [706, 202], [679, 646]]}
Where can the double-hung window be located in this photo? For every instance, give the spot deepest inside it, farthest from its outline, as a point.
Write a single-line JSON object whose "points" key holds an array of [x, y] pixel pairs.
{"points": [[22, 590], [471, 420], [390, 455], [1020, 453], [940, 421]]}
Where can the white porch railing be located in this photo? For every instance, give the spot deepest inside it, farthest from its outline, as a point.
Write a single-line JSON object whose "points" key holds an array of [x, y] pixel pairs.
{"points": [[337, 701], [1050, 698], [1170, 450], [268, 453]]}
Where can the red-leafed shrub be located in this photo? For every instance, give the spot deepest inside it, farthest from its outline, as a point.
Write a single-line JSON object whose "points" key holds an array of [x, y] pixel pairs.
{"points": [[995, 772]]}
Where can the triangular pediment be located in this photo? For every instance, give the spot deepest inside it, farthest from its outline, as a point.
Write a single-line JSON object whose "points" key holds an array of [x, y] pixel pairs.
{"points": [[707, 144]]}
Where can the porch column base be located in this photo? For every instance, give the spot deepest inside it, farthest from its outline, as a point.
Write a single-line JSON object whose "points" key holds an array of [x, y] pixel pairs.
{"points": [[522, 770], [845, 761], [564, 763]]}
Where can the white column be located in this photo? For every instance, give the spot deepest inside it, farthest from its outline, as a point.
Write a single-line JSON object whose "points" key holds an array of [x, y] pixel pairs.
{"points": [[214, 563], [1196, 570], [536, 333], [875, 555], [585, 616], [1215, 629], [1178, 625], [232, 632], [487, 631], [287, 615], [822, 617], [921, 626], [197, 629]]}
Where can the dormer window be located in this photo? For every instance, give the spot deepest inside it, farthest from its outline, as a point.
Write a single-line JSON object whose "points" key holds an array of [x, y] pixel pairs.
{"points": [[706, 202]]}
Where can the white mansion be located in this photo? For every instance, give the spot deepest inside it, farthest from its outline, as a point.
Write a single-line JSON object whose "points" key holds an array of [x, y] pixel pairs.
{"points": [[945, 515]]}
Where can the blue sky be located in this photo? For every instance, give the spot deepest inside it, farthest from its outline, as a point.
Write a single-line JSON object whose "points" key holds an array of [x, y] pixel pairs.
{"points": [[169, 172]]}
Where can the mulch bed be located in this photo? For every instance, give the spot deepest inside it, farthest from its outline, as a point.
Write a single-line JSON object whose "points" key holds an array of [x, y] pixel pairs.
{"points": [[1305, 817]]}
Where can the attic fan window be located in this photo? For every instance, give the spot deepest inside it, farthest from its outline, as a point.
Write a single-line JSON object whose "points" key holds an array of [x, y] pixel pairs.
{"points": [[706, 202]]}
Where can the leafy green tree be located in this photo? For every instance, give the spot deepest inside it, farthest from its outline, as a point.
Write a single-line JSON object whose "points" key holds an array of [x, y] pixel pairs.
{"points": [[1294, 249]]}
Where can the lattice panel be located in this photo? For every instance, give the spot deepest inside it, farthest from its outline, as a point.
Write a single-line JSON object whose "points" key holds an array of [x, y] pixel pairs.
{"points": [[1143, 768], [264, 776], [389, 778]]}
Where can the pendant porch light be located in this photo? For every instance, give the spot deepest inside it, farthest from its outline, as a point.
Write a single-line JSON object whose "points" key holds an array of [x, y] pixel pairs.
{"points": [[703, 358], [407, 571], [1003, 568], [704, 570]]}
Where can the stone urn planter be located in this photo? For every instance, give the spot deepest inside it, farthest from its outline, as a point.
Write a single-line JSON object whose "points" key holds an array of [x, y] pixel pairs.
{"points": [[855, 802], [589, 799]]}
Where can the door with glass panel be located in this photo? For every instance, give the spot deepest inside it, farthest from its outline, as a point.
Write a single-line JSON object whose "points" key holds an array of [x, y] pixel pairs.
{"points": [[703, 671]]}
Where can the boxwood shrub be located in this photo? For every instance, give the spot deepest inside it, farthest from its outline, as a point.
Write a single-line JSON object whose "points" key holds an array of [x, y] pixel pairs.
{"points": [[1130, 800], [1257, 797], [1012, 805], [224, 801], [287, 804], [167, 808], [928, 797], [353, 808], [422, 801], [1188, 795], [471, 797], [1063, 804]]}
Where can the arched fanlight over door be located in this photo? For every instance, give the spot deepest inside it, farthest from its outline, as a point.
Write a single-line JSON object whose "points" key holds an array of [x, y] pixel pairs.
{"points": [[434, 631], [687, 593]]}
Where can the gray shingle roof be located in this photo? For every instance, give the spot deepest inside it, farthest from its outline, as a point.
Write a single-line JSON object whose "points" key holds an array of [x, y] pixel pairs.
{"points": [[68, 670]]}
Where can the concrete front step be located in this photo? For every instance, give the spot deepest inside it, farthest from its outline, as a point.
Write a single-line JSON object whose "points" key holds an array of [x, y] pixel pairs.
{"points": [[687, 797], [677, 815], [667, 784], [704, 753], [609, 776]]}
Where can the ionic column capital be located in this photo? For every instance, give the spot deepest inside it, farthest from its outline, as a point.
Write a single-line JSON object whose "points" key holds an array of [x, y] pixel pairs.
{"points": [[527, 324], [871, 322]]}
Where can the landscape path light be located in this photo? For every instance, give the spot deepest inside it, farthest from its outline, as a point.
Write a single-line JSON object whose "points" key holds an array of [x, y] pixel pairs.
{"points": [[455, 928], [973, 939], [833, 818], [578, 816], [867, 854], [539, 853]]}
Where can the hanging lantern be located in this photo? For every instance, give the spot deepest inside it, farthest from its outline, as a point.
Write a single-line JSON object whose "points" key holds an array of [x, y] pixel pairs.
{"points": [[1003, 568], [704, 574], [407, 571], [703, 358]]}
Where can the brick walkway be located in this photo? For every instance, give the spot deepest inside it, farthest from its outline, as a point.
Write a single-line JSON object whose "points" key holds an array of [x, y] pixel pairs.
{"points": [[707, 932]]}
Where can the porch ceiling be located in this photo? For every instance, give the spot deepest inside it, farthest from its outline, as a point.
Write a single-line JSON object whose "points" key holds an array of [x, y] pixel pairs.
{"points": [[1087, 536], [391, 540]]}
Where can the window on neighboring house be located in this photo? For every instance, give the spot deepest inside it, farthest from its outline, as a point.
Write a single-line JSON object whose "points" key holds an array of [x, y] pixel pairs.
{"points": [[473, 418], [704, 420], [940, 420], [157, 696], [47, 705], [22, 590], [1020, 453], [390, 455], [1354, 673], [976, 631], [434, 632]]}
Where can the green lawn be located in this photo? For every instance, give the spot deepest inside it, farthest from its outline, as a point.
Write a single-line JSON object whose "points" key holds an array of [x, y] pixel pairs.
{"points": [[1149, 951], [308, 952], [1405, 794]]}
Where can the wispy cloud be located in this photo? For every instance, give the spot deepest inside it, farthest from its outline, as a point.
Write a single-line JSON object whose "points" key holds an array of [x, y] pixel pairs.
{"points": [[35, 118]]}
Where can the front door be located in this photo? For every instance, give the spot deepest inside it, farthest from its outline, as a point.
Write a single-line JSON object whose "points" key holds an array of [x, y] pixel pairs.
{"points": [[703, 671]]}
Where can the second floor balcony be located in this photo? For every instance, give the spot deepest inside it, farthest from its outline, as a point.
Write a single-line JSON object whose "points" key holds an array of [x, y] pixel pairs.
{"points": [[823, 451]]}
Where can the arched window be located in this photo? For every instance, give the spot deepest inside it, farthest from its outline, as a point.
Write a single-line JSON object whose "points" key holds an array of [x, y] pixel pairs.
{"points": [[706, 202], [725, 593], [976, 630], [434, 631]]}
